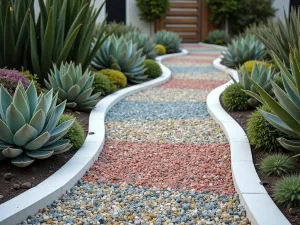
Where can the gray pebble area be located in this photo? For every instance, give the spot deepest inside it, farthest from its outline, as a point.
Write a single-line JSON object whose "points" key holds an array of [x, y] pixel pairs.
{"points": [[189, 131], [111, 204], [128, 110]]}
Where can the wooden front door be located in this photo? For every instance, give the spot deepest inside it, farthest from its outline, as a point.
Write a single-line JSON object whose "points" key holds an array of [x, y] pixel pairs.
{"points": [[184, 18]]}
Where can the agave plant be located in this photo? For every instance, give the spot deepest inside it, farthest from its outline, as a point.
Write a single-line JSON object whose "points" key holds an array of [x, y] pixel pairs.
{"points": [[242, 50], [123, 55], [280, 36], [143, 42], [285, 114], [28, 126], [168, 39], [73, 86], [261, 75]]}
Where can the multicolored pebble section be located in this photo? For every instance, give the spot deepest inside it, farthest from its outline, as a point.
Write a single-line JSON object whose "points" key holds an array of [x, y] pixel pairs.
{"points": [[165, 160]]}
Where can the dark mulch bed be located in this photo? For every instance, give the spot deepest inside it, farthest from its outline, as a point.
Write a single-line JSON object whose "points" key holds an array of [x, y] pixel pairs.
{"points": [[293, 215], [37, 171]]}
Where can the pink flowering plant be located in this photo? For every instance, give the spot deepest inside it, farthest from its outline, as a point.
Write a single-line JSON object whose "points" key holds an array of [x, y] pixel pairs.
{"points": [[10, 78]]}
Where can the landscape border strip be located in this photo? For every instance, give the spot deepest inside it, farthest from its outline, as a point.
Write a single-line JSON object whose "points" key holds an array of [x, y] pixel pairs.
{"points": [[28, 203], [260, 208]]}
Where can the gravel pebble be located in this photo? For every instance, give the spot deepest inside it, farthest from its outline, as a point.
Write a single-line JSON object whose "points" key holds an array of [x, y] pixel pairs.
{"points": [[170, 95], [128, 110], [180, 166], [192, 131], [204, 69], [202, 76], [193, 84], [108, 203]]}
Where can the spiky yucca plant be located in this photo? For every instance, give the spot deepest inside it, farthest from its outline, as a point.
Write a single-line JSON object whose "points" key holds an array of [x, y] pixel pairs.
{"points": [[123, 55], [73, 86], [285, 115], [28, 125], [261, 75], [242, 50], [170, 40], [277, 164], [144, 42]]}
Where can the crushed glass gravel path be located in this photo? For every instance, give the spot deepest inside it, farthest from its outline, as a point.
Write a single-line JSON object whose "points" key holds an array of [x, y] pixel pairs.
{"points": [[165, 160]]}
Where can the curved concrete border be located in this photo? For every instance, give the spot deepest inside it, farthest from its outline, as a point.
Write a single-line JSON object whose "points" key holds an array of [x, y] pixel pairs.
{"points": [[260, 208], [29, 202]]}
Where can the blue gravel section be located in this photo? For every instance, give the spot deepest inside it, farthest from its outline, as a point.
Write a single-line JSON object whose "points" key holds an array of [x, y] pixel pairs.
{"points": [[128, 110], [204, 69], [111, 204]]}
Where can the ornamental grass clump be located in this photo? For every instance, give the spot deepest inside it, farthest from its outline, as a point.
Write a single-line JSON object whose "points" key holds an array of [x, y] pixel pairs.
{"points": [[28, 125], [9, 79], [74, 86], [170, 40], [243, 49], [277, 165], [234, 99], [285, 106], [287, 191], [261, 133]]}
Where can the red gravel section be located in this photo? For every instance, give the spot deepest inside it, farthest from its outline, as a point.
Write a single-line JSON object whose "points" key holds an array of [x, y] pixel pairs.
{"points": [[179, 166], [193, 84]]}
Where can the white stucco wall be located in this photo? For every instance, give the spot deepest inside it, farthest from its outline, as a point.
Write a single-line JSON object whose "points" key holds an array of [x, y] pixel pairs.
{"points": [[281, 5]]}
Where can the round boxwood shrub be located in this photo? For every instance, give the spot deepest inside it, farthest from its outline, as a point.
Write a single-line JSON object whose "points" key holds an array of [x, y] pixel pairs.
{"points": [[160, 49], [117, 77], [103, 84], [250, 65], [277, 164], [76, 134], [153, 69], [151, 10], [287, 191], [261, 133], [234, 99]]}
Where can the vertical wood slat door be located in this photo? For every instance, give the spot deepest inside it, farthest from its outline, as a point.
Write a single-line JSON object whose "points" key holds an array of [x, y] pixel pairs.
{"points": [[182, 18]]}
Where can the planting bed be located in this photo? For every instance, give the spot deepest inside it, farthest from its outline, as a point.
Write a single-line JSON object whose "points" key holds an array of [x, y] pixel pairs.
{"points": [[38, 172], [293, 215]]}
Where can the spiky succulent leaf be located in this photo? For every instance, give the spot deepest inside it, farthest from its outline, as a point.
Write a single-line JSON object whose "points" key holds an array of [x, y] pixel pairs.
{"points": [[242, 50], [73, 86], [30, 124], [170, 40], [121, 54]]}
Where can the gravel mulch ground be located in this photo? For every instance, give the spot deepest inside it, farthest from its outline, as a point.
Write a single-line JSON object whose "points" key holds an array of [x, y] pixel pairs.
{"points": [[165, 161]]}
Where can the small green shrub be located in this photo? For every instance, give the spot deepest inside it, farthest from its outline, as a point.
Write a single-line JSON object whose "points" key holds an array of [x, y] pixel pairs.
{"points": [[287, 191], [234, 99], [103, 84], [151, 10], [32, 77], [76, 134], [153, 69], [250, 65], [160, 49], [116, 77], [218, 37], [261, 133], [278, 165]]}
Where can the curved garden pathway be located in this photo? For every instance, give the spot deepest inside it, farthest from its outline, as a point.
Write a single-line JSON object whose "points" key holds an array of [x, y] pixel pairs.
{"points": [[165, 160]]}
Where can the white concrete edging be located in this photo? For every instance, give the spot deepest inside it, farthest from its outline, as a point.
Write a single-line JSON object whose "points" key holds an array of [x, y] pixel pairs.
{"points": [[29, 202], [260, 208]]}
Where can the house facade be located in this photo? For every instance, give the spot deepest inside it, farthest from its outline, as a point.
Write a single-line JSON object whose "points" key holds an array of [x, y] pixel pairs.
{"points": [[188, 18]]}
